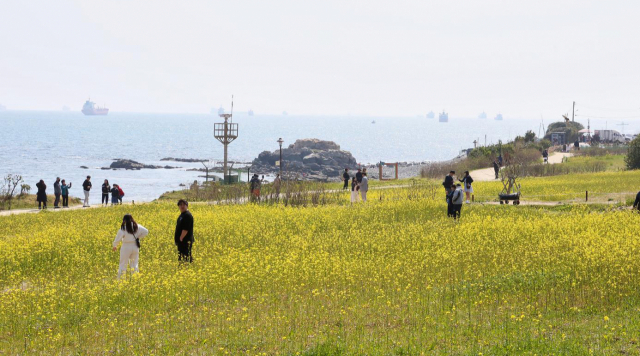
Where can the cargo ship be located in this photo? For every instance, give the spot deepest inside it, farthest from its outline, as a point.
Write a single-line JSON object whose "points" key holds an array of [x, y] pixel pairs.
{"points": [[431, 115], [250, 112], [499, 117], [483, 115], [444, 117], [90, 108]]}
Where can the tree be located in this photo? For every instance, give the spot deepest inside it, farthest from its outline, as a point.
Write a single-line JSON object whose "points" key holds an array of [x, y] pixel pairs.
{"points": [[8, 188], [570, 130], [633, 154], [529, 136]]}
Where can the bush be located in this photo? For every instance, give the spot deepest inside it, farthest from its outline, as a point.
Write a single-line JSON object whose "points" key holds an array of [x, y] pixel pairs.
{"points": [[633, 154]]}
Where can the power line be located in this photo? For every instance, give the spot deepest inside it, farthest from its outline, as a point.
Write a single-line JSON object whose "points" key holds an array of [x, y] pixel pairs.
{"points": [[609, 117]]}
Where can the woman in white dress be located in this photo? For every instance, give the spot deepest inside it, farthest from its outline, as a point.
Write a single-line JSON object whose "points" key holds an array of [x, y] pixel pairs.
{"points": [[129, 234], [354, 190]]}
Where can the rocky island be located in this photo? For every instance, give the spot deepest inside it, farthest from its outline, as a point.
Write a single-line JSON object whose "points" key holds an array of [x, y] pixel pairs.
{"points": [[311, 159]]}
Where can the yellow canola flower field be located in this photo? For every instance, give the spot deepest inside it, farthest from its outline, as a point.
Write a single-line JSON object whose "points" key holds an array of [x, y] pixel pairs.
{"points": [[601, 186], [394, 276]]}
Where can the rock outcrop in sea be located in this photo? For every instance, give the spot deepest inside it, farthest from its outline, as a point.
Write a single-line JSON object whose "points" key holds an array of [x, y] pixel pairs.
{"points": [[312, 159], [133, 165]]}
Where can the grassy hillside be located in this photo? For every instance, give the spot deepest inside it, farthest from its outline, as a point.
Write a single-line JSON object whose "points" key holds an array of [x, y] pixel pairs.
{"points": [[394, 276]]}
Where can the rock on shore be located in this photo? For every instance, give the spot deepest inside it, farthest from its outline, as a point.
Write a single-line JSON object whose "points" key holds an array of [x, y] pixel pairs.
{"points": [[313, 159], [133, 165]]}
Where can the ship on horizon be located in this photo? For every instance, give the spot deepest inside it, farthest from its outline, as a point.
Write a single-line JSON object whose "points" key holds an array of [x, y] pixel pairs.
{"points": [[431, 115], [250, 112], [90, 108], [444, 117], [482, 115], [2, 107], [499, 117]]}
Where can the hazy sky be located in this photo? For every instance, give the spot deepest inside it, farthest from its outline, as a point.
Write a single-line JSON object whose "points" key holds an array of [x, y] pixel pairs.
{"points": [[522, 58]]}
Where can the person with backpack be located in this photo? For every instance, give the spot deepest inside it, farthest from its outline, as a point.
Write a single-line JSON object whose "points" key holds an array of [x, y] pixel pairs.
{"points": [[452, 189], [448, 182], [86, 187], [254, 187], [41, 195], [129, 234], [65, 193], [121, 193], [468, 189], [115, 195], [106, 188], [456, 201]]}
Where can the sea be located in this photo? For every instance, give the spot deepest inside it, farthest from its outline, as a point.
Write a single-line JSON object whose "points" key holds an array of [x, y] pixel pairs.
{"points": [[45, 145]]}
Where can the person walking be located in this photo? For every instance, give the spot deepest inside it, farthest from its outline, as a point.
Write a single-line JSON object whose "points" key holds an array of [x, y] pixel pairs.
{"points": [[65, 193], [466, 181], [448, 182], [57, 191], [496, 167], [106, 188], [364, 187], [354, 190], [184, 232], [276, 185], [115, 195], [41, 195], [545, 156], [129, 234], [86, 187], [345, 179], [456, 201]]}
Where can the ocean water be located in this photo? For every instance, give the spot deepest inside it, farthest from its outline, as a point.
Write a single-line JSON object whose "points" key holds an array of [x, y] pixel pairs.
{"points": [[44, 145]]}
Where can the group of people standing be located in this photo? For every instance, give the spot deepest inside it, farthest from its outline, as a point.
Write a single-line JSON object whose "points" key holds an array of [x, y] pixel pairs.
{"points": [[61, 190], [116, 193], [359, 184], [130, 234], [455, 193]]}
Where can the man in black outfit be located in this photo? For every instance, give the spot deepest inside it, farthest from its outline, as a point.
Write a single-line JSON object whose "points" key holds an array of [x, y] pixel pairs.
{"points": [[448, 182], [184, 232], [345, 178], [636, 204], [359, 176], [496, 167]]}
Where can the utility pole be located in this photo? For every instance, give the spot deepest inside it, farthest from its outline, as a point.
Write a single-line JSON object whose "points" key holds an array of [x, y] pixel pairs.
{"points": [[573, 114], [623, 125], [226, 133]]}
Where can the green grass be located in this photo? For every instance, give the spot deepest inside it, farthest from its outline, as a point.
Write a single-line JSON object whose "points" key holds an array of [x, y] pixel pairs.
{"points": [[29, 202]]}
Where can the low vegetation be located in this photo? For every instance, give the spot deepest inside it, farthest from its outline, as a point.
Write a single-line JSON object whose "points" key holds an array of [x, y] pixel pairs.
{"points": [[393, 276]]}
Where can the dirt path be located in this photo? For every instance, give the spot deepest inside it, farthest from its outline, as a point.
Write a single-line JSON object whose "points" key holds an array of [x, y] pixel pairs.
{"points": [[487, 174]]}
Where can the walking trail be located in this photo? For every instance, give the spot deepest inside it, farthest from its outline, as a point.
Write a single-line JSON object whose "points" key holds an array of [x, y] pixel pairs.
{"points": [[487, 174]]}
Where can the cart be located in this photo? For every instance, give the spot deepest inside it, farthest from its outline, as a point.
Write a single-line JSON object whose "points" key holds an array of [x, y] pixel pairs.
{"points": [[505, 196]]}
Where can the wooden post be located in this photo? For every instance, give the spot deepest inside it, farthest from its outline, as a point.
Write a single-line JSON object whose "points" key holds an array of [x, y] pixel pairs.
{"points": [[380, 171], [586, 196], [396, 171]]}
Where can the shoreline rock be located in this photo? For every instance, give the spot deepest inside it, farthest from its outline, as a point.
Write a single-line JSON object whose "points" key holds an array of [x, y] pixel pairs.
{"points": [[312, 159], [128, 164], [186, 160]]}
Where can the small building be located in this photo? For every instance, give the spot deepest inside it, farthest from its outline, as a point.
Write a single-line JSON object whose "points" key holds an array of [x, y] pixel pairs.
{"points": [[558, 138]]}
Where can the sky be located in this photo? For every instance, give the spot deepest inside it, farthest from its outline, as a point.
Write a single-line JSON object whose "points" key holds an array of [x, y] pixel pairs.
{"points": [[332, 57]]}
